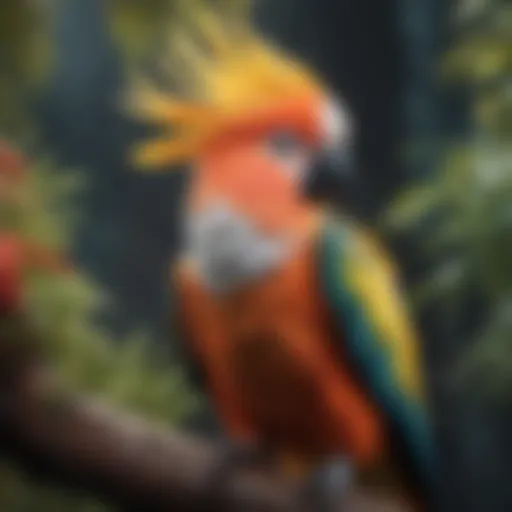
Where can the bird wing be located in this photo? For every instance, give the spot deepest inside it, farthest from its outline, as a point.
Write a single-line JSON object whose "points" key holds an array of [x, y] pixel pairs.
{"points": [[180, 313], [366, 306], [191, 324]]}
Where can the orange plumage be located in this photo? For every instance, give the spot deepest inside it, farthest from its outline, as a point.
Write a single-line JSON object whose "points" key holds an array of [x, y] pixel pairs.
{"points": [[264, 347]]}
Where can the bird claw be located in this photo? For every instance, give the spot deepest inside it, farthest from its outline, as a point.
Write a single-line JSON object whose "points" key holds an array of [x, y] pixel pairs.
{"points": [[232, 456], [328, 487], [244, 455]]}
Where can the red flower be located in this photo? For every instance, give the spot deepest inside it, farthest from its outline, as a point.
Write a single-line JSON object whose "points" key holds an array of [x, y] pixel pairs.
{"points": [[13, 170], [16, 254], [11, 268], [15, 257], [12, 163]]}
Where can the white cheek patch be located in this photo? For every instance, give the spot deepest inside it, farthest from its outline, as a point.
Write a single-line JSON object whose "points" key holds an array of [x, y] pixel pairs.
{"points": [[337, 125], [229, 251]]}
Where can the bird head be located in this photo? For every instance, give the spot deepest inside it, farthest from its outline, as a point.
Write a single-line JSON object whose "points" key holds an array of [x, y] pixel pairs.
{"points": [[255, 124]]}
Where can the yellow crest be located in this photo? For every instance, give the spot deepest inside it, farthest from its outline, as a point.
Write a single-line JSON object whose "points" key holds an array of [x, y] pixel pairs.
{"points": [[228, 70]]}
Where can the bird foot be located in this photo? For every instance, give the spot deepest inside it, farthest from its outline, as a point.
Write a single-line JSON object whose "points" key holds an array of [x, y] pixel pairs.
{"points": [[328, 487], [232, 456]]}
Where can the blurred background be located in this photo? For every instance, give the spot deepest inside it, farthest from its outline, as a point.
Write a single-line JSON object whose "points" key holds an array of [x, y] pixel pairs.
{"points": [[430, 85]]}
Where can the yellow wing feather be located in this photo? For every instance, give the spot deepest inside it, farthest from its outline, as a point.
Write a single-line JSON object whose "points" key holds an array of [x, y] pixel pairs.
{"points": [[373, 277]]}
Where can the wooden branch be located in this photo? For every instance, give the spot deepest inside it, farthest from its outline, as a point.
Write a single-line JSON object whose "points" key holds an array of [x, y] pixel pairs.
{"points": [[122, 459]]}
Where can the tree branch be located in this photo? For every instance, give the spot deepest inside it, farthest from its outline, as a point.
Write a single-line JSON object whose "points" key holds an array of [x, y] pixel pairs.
{"points": [[122, 459]]}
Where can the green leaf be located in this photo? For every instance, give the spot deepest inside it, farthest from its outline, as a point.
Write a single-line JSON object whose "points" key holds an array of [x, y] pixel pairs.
{"points": [[64, 309], [412, 206], [471, 197]]}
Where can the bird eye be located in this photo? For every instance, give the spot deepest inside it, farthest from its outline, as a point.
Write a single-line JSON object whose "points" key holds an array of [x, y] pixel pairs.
{"points": [[293, 155], [284, 144]]}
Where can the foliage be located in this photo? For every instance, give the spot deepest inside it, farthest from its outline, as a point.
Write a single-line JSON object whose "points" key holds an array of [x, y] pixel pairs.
{"points": [[64, 308], [468, 203], [27, 37], [139, 27], [25, 56]]}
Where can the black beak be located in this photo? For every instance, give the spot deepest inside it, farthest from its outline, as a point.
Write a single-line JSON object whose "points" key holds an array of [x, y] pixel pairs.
{"points": [[340, 160], [333, 173], [336, 166]]}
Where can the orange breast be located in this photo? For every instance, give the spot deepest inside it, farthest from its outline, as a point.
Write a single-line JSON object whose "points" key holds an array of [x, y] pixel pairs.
{"points": [[272, 368]]}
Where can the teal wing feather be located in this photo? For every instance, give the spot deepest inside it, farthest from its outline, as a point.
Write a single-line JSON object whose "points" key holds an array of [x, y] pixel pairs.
{"points": [[363, 296]]}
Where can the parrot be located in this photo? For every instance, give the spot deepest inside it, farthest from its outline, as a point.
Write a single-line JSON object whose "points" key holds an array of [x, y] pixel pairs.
{"points": [[292, 315]]}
